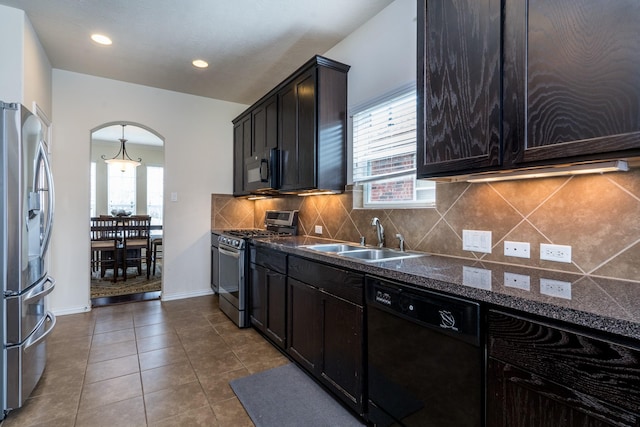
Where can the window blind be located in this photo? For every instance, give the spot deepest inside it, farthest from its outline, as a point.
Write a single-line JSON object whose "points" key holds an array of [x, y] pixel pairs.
{"points": [[384, 138]]}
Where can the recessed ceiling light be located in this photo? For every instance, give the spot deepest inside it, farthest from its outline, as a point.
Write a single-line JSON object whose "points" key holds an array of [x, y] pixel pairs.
{"points": [[200, 63], [101, 39]]}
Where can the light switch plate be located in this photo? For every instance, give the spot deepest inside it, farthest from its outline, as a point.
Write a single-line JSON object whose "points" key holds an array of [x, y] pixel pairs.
{"points": [[318, 229], [476, 241]]}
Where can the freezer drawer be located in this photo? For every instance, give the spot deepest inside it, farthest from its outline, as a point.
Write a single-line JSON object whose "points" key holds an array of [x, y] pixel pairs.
{"points": [[26, 362], [26, 311]]}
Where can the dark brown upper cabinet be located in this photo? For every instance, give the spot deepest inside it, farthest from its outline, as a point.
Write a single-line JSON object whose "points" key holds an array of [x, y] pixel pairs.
{"points": [[517, 83], [299, 137], [313, 133], [241, 149]]}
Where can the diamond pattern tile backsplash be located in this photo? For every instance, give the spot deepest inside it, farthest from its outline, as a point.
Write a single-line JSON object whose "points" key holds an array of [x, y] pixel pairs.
{"points": [[597, 215]]}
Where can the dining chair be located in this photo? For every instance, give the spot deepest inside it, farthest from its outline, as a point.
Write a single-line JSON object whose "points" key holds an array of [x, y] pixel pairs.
{"points": [[135, 243], [104, 245], [156, 240]]}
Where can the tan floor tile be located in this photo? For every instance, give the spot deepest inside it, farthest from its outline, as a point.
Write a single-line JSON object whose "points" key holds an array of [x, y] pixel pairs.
{"points": [[112, 368], [98, 353], [172, 401], [164, 356], [216, 318], [231, 413], [216, 386], [155, 329], [157, 342], [200, 417], [128, 413], [240, 337], [195, 331], [63, 421], [113, 337], [263, 365], [39, 409], [110, 391], [167, 376], [145, 319], [113, 325], [256, 352], [62, 381], [216, 363]]}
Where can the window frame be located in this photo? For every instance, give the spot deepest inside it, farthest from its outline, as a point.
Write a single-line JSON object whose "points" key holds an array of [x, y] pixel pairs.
{"points": [[366, 182]]}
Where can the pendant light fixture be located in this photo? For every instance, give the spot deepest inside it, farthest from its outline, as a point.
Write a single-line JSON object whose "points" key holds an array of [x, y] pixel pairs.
{"points": [[122, 160]]}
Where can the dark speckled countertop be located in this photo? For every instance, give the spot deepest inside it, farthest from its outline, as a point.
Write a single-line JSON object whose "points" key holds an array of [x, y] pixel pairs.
{"points": [[606, 305]]}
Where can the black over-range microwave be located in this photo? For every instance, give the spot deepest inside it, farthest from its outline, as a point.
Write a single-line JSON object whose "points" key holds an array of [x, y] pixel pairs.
{"points": [[261, 172]]}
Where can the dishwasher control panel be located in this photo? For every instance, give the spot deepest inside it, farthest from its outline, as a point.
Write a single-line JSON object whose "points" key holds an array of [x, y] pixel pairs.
{"points": [[448, 314]]}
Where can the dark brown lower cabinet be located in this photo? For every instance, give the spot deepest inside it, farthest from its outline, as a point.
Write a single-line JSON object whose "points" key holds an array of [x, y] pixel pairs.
{"points": [[304, 344], [325, 323], [268, 294], [542, 375]]}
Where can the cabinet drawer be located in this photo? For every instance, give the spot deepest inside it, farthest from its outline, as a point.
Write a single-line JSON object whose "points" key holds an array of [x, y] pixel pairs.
{"points": [[269, 258], [590, 366], [341, 283]]}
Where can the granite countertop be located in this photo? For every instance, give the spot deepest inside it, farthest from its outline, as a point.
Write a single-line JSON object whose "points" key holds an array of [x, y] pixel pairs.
{"points": [[606, 305]]}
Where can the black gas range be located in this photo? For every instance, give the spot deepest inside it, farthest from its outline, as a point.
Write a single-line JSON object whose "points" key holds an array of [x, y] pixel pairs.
{"points": [[233, 262]]}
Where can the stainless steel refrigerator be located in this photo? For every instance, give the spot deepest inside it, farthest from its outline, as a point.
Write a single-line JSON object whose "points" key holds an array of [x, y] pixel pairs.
{"points": [[26, 217]]}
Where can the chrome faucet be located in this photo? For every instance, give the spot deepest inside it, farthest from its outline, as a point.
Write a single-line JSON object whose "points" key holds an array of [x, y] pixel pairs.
{"points": [[401, 238], [379, 230]]}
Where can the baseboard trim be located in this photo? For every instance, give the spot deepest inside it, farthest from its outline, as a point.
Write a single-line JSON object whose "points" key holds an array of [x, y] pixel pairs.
{"points": [[184, 295]]}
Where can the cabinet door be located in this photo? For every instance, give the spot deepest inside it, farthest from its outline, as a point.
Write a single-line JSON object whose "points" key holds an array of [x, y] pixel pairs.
{"points": [[241, 151], [572, 80], [517, 398], [276, 318], [265, 127], [341, 365], [303, 336], [298, 133], [458, 86], [541, 375]]}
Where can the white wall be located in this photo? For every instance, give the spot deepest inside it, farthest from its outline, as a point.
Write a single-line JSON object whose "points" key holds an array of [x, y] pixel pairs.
{"points": [[382, 53], [11, 52], [198, 155], [36, 73], [25, 74]]}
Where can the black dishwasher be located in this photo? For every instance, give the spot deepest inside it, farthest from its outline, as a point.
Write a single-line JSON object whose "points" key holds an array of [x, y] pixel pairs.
{"points": [[425, 360]]}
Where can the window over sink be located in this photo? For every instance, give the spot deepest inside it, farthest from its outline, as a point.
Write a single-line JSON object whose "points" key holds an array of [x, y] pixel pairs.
{"points": [[384, 152]]}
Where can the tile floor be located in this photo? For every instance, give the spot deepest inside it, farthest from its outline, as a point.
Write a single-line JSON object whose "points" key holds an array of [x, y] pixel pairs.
{"points": [[146, 364]]}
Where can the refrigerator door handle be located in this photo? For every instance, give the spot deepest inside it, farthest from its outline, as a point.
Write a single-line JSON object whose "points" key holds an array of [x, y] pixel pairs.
{"points": [[31, 341], [38, 292], [50, 197]]}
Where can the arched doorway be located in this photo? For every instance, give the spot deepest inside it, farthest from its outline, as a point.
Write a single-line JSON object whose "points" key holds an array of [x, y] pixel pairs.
{"points": [[124, 193]]}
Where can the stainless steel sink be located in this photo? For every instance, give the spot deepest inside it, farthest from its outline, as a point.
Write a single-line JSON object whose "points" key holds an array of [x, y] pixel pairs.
{"points": [[334, 247], [362, 253], [378, 255]]}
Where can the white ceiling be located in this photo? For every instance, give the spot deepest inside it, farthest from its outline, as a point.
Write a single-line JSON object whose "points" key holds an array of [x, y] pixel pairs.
{"points": [[250, 45]]}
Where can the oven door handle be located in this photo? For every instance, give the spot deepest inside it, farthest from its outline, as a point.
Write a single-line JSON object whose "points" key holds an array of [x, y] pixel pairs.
{"points": [[230, 253]]}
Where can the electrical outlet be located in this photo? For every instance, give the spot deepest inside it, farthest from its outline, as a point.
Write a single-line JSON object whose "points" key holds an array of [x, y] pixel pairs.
{"points": [[479, 278], [476, 241], [318, 229], [517, 249], [555, 288], [519, 281], [556, 253]]}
